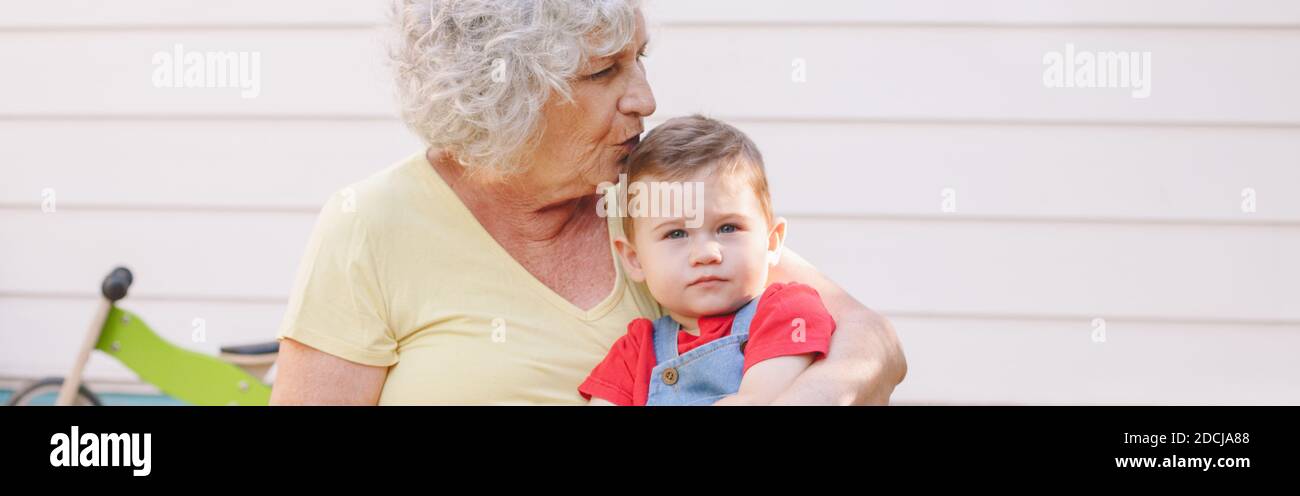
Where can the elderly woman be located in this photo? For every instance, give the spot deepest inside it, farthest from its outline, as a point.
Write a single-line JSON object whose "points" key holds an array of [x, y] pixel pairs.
{"points": [[478, 271]]}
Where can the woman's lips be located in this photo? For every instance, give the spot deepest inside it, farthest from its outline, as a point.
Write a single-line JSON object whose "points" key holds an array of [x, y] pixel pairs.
{"points": [[631, 143]]}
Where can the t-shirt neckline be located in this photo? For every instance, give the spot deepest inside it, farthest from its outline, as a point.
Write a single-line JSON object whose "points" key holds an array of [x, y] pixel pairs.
{"points": [[607, 304]]}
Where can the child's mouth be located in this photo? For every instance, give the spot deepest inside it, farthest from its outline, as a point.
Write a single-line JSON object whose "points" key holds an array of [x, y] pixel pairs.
{"points": [[706, 281]]}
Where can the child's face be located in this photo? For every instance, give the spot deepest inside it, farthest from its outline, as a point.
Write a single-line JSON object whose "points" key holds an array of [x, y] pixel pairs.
{"points": [[711, 269]]}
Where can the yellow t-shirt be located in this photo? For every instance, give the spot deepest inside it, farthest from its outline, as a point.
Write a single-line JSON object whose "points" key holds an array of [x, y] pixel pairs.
{"points": [[399, 273]]}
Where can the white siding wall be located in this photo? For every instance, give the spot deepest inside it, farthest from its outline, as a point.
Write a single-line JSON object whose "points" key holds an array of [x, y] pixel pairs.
{"points": [[1072, 204]]}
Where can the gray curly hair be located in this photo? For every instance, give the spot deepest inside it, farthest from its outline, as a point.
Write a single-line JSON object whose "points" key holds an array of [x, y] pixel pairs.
{"points": [[473, 75]]}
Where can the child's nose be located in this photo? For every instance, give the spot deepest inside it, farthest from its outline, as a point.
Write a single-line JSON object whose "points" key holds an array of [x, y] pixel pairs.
{"points": [[707, 252]]}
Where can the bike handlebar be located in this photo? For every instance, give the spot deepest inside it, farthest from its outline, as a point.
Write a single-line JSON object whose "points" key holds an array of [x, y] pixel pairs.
{"points": [[116, 284]]}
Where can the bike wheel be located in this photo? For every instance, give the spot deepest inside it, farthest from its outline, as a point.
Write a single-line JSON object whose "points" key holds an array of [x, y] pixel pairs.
{"points": [[46, 391]]}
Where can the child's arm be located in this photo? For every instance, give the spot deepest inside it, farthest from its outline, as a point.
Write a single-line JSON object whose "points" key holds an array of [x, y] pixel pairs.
{"points": [[767, 379], [613, 380], [790, 329]]}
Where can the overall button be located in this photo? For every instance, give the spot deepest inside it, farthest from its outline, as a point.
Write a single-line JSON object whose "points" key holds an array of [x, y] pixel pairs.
{"points": [[670, 376]]}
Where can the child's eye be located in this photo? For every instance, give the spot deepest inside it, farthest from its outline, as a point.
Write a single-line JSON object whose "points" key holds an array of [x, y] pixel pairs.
{"points": [[728, 228], [675, 234]]}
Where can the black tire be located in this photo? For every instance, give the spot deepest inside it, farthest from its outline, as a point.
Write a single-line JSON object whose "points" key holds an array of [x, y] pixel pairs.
{"points": [[51, 384]]}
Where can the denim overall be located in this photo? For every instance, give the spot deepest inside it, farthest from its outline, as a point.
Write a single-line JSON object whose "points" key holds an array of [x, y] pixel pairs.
{"points": [[703, 375]]}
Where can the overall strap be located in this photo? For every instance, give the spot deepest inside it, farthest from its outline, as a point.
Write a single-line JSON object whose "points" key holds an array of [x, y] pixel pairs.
{"points": [[665, 338], [665, 333], [740, 326]]}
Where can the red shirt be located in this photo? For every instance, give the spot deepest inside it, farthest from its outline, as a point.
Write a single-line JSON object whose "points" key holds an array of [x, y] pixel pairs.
{"points": [[623, 377]]}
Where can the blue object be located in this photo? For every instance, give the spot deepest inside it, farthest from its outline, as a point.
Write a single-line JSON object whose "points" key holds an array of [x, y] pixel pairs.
{"points": [[703, 375]]}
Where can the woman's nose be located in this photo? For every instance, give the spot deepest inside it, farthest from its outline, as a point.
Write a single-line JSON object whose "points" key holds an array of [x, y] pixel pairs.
{"points": [[639, 99]]}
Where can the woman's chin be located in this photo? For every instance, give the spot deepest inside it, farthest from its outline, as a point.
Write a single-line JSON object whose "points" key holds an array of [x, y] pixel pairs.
{"points": [[611, 170], [603, 174]]}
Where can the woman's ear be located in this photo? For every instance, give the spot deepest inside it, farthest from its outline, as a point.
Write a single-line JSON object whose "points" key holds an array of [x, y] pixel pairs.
{"points": [[776, 241], [627, 255]]}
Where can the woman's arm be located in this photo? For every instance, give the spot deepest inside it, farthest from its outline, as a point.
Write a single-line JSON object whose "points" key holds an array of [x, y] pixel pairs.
{"points": [[865, 360], [307, 376]]}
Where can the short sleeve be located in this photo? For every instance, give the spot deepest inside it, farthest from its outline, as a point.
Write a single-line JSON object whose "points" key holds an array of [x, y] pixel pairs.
{"points": [[337, 304], [614, 378], [790, 320]]}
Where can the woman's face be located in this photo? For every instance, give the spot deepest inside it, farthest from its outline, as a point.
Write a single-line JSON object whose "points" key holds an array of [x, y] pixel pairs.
{"points": [[585, 141]]}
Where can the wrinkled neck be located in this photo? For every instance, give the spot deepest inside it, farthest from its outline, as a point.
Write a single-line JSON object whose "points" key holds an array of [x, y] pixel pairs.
{"points": [[523, 207]]}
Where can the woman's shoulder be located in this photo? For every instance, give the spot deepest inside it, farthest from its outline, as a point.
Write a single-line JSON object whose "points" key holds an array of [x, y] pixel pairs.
{"points": [[398, 195], [396, 185]]}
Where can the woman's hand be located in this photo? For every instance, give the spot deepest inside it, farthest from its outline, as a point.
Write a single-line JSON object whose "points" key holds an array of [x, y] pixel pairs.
{"points": [[865, 360], [307, 376]]}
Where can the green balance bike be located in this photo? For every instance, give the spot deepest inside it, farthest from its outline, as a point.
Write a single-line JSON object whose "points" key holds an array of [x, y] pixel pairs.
{"points": [[234, 377]]}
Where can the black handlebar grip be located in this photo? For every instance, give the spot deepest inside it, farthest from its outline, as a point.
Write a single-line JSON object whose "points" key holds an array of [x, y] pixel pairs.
{"points": [[116, 284]]}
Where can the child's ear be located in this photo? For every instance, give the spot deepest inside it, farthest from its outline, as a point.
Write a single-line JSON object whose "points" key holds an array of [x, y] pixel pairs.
{"points": [[627, 254], [776, 241]]}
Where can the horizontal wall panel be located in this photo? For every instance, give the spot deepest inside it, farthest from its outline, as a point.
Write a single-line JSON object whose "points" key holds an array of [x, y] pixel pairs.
{"points": [[1052, 12], [1066, 172], [39, 337], [1170, 272], [244, 164], [1227, 77], [962, 361], [84, 13]]}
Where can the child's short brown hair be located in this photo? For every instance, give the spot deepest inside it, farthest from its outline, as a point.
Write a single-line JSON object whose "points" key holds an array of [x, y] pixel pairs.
{"points": [[683, 146]]}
